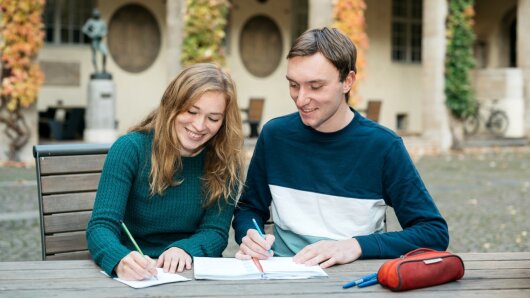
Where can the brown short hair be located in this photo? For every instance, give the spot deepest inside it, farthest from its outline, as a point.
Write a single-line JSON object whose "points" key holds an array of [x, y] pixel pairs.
{"points": [[332, 44]]}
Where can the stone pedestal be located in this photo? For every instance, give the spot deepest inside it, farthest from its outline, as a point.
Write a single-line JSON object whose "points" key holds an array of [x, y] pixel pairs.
{"points": [[100, 126]]}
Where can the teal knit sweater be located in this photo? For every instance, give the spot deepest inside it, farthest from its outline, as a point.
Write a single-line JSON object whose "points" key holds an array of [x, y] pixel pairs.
{"points": [[175, 219]]}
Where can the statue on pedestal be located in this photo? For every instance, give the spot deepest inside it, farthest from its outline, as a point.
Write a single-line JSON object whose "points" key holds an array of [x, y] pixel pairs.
{"points": [[96, 30], [100, 118]]}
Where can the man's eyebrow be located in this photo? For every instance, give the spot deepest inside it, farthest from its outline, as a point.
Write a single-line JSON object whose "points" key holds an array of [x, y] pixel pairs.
{"points": [[310, 82], [316, 81]]}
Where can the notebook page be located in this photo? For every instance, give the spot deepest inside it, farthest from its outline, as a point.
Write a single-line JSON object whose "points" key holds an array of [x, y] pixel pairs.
{"points": [[224, 269], [285, 268]]}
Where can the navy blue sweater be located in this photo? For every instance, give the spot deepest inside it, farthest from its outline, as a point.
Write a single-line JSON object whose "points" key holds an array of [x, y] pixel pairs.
{"points": [[337, 186]]}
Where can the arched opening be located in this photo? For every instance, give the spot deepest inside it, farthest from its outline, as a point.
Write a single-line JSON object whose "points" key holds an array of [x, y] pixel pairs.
{"points": [[509, 39]]}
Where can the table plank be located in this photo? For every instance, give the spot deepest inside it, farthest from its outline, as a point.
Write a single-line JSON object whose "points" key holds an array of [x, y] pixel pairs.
{"points": [[487, 275]]}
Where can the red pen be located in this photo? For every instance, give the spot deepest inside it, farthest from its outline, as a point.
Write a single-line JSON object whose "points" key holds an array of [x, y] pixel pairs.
{"points": [[258, 264]]}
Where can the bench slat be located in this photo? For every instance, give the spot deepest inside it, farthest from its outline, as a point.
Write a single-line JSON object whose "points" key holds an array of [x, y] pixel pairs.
{"points": [[69, 183], [66, 222], [78, 255], [68, 202], [71, 164], [67, 242]]}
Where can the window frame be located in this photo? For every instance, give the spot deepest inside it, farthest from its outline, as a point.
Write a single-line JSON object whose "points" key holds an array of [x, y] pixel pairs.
{"points": [[411, 46], [76, 13]]}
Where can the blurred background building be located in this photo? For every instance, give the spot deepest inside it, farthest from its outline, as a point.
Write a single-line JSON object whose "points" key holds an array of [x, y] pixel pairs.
{"points": [[405, 59]]}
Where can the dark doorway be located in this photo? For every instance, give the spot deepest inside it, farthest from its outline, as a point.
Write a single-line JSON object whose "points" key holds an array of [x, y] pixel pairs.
{"points": [[513, 43]]}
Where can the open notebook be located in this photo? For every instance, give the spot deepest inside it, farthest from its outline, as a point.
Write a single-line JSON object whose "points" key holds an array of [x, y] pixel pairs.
{"points": [[234, 269]]}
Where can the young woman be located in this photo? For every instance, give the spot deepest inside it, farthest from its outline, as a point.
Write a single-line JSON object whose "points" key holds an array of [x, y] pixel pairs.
{"points": [[173, 180]]}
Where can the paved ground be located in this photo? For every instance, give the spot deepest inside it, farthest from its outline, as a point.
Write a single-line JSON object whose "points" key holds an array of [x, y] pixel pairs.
{"points": [[484, 194]]}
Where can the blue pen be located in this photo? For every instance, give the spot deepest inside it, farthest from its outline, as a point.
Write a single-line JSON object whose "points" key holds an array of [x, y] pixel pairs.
{"points": [[259, 232], [359, 281], [367, 283]]}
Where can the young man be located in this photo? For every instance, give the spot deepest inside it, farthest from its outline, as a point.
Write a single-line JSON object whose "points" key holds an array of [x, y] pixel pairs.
{"points": [[327, 173]]}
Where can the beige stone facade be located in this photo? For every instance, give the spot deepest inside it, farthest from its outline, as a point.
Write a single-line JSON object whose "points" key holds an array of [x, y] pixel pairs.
{"points": [[410, 90]]}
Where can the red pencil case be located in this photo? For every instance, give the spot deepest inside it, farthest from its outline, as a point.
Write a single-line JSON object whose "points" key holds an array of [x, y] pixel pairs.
{"points": [[422, 267]]}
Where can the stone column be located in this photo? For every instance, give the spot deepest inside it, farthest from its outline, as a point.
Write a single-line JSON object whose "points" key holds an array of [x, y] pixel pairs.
{"points": [[523, 56], [320, 13], [435, 118], [175, 11]]}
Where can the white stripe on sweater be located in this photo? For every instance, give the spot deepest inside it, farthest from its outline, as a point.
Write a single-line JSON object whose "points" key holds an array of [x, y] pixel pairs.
{"points": [[321, 215]]}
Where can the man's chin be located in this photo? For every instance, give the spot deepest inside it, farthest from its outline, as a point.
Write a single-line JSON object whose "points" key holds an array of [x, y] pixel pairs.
{"points": [[309, 123]]}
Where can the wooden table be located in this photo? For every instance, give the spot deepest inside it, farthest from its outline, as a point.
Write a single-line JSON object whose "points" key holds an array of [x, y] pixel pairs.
{"points": [[487, 275]]}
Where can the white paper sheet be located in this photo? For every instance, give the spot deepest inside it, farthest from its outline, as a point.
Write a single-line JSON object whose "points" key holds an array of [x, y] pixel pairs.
{"points": [[163, 278]]}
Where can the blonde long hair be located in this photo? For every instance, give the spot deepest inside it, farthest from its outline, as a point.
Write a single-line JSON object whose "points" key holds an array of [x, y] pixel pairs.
{"points": [[223, 167]]}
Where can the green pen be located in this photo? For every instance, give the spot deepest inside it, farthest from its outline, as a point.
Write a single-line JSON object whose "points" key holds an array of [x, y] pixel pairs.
{"points": [[133, 241]]}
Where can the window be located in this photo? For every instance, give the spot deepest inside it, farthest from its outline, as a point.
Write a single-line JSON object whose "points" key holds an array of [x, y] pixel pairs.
{"points": [[63, 20], [406, 30]]}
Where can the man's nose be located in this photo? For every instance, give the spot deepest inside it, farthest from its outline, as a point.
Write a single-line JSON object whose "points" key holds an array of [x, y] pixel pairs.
{"points": [[303, 97]]}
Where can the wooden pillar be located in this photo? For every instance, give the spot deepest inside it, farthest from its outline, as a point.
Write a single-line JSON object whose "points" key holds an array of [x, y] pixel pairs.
{"points": [[523, 56], [175, 11], [435, 117]]}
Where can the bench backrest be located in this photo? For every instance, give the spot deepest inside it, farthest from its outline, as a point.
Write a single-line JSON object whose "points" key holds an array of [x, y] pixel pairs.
{"points": [[67, 180]]}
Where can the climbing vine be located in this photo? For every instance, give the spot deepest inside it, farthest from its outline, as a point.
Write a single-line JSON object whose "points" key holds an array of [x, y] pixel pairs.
{"points": [[459, 58], [21, 37], [349, 18], [204, 31]]}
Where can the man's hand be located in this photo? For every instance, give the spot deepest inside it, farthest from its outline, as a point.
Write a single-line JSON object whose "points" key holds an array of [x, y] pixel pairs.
{"points": [[174, 260], [253, 246], [329, 252], [134, 266]]}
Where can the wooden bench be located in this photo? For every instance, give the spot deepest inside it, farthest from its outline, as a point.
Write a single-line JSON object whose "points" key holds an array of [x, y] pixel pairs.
{"points": [[254, 113], [67, 180]]}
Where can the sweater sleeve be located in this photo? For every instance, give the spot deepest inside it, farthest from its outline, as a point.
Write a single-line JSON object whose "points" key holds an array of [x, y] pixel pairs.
{"points": [[422, 223], [211, 237], [103, 230], [256, 197]]}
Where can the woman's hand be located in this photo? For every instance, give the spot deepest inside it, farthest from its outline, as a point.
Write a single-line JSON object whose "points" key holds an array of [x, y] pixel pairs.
{"points": [[134, 266], [174, 260]]}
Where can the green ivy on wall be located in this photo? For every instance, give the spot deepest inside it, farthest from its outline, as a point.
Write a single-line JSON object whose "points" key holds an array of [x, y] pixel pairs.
{"points": [[459, 58], [204, 31]]}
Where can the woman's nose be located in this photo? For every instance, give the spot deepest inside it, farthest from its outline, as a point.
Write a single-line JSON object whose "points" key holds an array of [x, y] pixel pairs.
{"points": [[199, 123]]}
